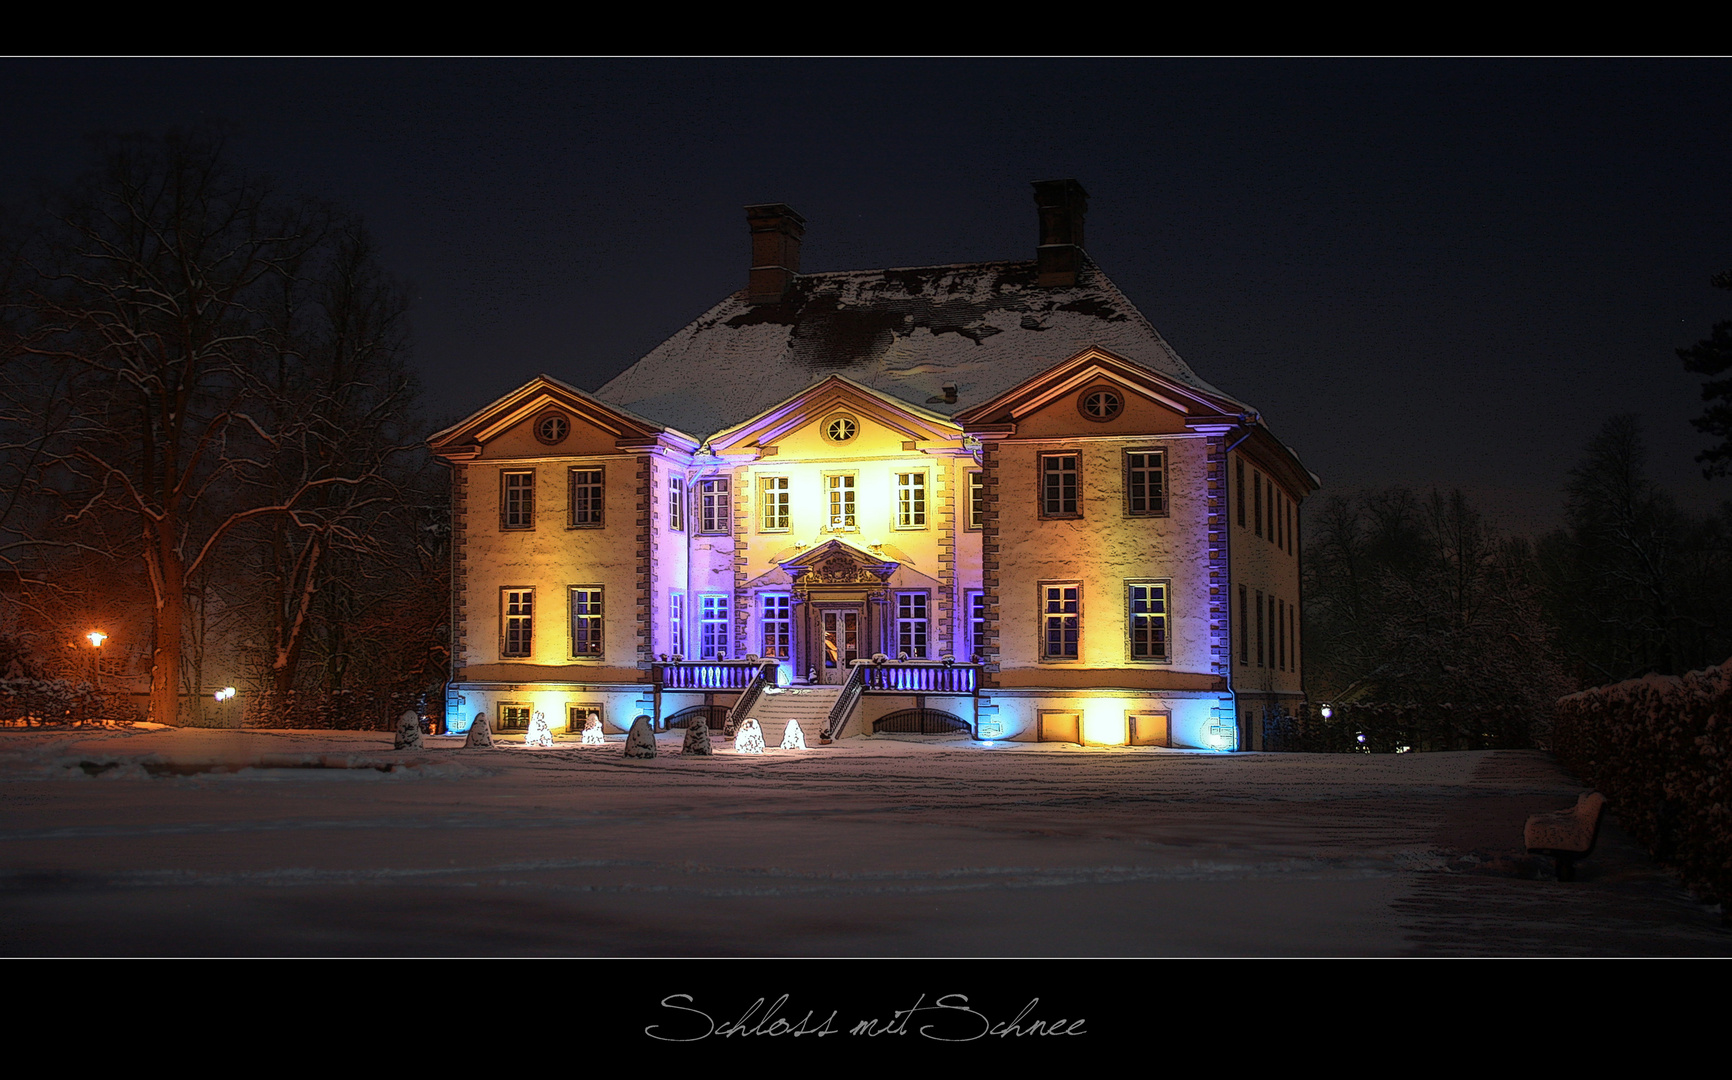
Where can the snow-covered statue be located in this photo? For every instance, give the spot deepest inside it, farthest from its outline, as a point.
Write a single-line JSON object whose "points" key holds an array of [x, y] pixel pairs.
{"points": [[640, 742], [539, 733], [592, 731], [697, 738], [750, 738], [409, 730], [794, 738], [479, 733]]}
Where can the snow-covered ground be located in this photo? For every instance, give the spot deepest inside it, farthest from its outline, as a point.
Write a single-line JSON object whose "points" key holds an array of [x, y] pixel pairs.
{"points": [[282, 842]]}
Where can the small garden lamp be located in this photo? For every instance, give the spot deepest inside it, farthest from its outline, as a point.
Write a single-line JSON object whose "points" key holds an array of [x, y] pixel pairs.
{"points": [[96, 638]]}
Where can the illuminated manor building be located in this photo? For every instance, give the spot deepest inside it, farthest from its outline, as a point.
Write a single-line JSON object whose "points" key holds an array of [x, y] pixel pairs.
{"points": [[984, 499]]}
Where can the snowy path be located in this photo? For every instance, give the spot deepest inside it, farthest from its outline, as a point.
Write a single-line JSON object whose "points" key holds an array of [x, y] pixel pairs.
{"points": [[873, 847]]}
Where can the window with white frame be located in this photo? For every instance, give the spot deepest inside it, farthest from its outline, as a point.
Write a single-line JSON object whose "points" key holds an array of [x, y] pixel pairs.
{"points": [[1146, 612], [911, 500], [976, 621], [911, 625], [713, 625], [677, 503], [586, 620], [1146, 483], [1061, 620], [976, 500], [677, 623], [715, 506], [1059, 479], [516, 622], [773, 496], [777, 626], [517, 499], [839, 488], [585, 490]]}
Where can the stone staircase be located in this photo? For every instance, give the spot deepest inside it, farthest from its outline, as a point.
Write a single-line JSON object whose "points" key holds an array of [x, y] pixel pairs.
{"points": [[810, 705]]}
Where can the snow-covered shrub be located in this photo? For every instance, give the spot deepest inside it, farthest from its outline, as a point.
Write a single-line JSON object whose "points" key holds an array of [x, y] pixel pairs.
{"points": [[331, 710], [35, 702], [1384, 728], [1660, 749]]}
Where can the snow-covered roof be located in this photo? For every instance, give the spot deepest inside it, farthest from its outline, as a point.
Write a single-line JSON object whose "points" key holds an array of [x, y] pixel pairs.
{"points": [[908, 333]]}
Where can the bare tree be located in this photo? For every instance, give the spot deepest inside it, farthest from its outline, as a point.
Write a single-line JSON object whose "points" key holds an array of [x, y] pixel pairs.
{"points": [[160, 288]]}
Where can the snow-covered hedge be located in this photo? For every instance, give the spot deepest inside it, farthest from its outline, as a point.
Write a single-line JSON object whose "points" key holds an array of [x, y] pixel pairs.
{"points": [[35, 702], [1381, 728], [332, 710], [1660, 749]]}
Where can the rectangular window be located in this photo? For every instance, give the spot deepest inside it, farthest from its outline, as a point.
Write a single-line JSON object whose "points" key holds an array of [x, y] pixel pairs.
{"points": [[1281, 634], [517, 500], [713, 622], [585, 497], [1244, 628], [1146, 613], [1292, 640], [1239, 489], [911, 625], [1272, 625], [976, 622], [716, 508], [773, 496], [1146, 483], [1059, 478], [778, 627], [1257, 497], [517, 622], [586, 620], [1061, 621], [1259, 629], [1289, 527], [677, 623], [839, 488], [677, 503], [976, 500], [911, 500], [513, 717]]}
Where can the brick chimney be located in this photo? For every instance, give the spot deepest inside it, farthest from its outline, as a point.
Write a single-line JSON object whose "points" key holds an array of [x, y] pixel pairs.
{"points": [[776, 232], [1063, 205]]}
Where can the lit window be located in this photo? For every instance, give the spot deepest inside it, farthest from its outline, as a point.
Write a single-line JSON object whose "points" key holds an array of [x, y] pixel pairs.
{"points": [[716, 511], [677, 623], [1147, 615], [517, 619], [513, 717], [1061, 616], [777, 626], [713, 624], [517, 500], [677, 503], [911, 500], [586, 620], [976, 500], [1058, 485], [976, 622], [840, 488], [773, 496], [911, 624], [585, 496], [1146, 483]]}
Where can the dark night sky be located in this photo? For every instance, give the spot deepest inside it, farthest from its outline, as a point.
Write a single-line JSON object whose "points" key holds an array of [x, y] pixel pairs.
{"points": [[1436, 273]]}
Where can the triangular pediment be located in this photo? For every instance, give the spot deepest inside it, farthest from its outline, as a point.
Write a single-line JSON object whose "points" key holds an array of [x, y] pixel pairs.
{"points": [[811, 405], [1098, 366], [543, 395], [837, 562]]}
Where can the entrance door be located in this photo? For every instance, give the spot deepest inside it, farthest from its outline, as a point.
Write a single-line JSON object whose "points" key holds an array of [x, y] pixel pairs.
{"points": [[841, 644]]}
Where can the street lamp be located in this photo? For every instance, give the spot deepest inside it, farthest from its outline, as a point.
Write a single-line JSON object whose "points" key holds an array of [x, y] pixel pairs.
{"points": [[96, 638]]}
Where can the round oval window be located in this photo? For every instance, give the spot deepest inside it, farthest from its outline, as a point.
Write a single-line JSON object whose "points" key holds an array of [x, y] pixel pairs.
{"points": [[1101, 404], [552, 428], [841, 429]]}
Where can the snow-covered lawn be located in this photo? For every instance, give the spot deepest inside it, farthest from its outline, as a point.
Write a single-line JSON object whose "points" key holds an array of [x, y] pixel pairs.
{"points": [[286, 842]]}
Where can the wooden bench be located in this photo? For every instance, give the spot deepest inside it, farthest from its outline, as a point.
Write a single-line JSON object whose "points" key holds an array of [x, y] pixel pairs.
{"points": [[1566, 835]]}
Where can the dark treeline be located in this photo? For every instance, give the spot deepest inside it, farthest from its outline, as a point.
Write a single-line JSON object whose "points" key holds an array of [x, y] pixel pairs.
{"points": [[208, 440], [1412, 600]]}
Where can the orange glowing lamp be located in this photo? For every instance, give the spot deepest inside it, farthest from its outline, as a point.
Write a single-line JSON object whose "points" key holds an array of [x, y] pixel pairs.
{"points": [[96, 638]]}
